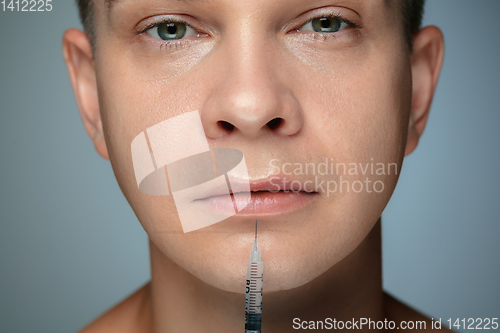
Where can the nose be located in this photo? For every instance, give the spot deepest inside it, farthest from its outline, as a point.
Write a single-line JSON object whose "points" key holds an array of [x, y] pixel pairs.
{"points": [[250, 95]]}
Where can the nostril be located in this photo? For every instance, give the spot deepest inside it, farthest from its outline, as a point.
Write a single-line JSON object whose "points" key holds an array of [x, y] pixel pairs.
{"points": [[225, 125], [272, 124]]}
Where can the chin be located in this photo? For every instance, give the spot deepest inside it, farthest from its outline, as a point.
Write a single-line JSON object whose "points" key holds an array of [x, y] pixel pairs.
{"points": [[279, 275], [285, 267]]}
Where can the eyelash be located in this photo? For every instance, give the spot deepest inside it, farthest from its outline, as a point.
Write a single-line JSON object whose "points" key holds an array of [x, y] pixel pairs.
{"points": [[158, 23], [319, 36], [334, 16], [178, 42], [167, 44]]}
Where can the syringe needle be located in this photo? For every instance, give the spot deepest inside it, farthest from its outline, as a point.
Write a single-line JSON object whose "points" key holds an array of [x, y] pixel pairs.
{"points": [[255, 228]]}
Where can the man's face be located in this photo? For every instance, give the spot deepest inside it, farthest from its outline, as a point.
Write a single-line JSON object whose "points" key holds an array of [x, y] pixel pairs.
{"points": [[281, 88]]}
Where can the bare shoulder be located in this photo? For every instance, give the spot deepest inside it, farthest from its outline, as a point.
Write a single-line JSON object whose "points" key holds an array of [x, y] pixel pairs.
{"points": [[399, 312], [129, 316]]}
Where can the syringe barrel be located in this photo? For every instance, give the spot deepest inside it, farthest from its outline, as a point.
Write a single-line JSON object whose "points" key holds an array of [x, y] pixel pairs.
{"points": [[252, 323], [253, 305]]}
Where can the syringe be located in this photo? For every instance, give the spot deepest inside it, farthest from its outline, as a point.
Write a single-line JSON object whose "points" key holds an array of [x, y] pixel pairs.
{"points": [[253, 304]]}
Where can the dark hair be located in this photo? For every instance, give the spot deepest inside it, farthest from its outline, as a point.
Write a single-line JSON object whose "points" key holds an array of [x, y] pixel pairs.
{"points": [[412, 12], [86, 10]]}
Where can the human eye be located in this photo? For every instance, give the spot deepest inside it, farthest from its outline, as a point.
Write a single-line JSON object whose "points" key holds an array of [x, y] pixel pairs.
{"points": [[170, 31], [327, 24]]}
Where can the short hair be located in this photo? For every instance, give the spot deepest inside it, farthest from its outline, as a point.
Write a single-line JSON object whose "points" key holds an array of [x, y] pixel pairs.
{"points": [[412, 12]]}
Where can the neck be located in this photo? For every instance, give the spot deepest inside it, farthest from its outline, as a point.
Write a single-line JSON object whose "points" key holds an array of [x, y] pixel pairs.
{"points": [[352, 288]]}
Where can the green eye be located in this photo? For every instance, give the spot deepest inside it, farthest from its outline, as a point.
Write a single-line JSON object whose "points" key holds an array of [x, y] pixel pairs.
{"points": [[171, 30], [326, 24]]}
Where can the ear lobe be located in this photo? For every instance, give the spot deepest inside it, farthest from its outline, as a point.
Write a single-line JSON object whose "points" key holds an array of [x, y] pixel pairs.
{"points": [[426, 62], [77, 52]]}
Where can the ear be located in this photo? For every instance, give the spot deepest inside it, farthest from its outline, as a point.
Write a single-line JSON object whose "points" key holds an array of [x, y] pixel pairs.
{"points": [[426, 62], [78, 56]]}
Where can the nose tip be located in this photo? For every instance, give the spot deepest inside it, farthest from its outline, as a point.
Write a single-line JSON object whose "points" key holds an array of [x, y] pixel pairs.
{"points": [[257, 106], [248, 112]]}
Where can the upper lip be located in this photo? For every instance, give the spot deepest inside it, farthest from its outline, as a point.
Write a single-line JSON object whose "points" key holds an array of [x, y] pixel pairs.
{"points": [[271, 184], [275, 184]]}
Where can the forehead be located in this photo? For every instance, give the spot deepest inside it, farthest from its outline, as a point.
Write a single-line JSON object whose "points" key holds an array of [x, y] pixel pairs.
{"points": [[109, 4]]}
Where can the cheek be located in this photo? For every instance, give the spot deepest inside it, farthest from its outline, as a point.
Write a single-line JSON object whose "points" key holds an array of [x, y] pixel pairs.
{"points": [[358, 115], [374, 115], [360, 111], [357, 100], [129, 105]]}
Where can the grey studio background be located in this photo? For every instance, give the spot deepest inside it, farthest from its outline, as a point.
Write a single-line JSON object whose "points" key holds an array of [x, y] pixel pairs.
{"points": [[71, 247]]}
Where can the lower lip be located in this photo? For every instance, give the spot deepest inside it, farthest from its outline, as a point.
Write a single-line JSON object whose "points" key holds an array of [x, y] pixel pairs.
{"points": [[260, 203]]}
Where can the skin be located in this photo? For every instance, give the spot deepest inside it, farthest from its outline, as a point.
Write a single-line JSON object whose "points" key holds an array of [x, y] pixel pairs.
{"points": [[358, 96]]}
